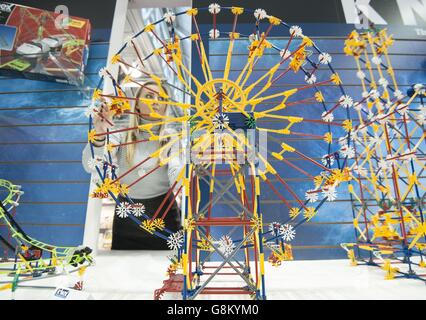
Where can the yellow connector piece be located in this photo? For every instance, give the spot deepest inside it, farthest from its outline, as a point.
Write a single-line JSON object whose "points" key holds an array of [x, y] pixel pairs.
{"points": [[262, 176], [277, 156], [192, 12], [149, 28], [270, 169], [6, 287], [355, 223], [155, 115], [307, 41], [234, 35], [286, 147], [82, 271], [159, 224], [148, 226], [283, 131], [274, 20], [335, 79], [127, 79], [158, 52], [154, 138], [237, 10], [351, 256], [390, 271], [319, 97], [146, 126], [347, 125], [115, 59], [309, 213], [124, 189], [91, 136], [294, 212], [96, 94], [328, 137], [294, 119]]}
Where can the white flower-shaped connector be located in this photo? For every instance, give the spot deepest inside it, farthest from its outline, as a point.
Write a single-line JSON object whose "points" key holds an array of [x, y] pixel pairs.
{"points": [[175, 240], [226, 245], [220, 121], [310, 78], [383, 82], [214, 33], [253, 37], [138, 210], [324, 58], [287, 232], [284, 54], [169, 17], [103, 72], [327, 160], [361, 75], [421, 118], [420, 89], [311, 195], [374, 94], [398, 94], [296, 31], [259, 14], [327, 116], [274, 227], [92, 163], [346, 101], [347, 151], [330, 193], [123, 210], [376, 60], [402, 109], [360, 170], [214, 8]]}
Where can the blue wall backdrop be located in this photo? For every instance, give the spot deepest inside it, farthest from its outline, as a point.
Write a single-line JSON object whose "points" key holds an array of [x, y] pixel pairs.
{"points": [[321, 237], [43, 131]]}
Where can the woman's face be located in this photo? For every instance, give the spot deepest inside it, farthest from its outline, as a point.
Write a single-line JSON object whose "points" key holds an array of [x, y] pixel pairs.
{"points": [[151, 92]]}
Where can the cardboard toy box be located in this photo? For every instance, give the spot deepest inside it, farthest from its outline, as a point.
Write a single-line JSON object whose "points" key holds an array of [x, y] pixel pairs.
{"points": [[42, 45]]}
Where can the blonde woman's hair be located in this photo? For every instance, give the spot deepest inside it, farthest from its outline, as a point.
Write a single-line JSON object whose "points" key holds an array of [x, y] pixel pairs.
{"points": [[134, 122]]}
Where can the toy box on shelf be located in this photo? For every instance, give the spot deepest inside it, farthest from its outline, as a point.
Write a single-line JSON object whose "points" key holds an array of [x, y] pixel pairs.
{"points": [[42, 45]]}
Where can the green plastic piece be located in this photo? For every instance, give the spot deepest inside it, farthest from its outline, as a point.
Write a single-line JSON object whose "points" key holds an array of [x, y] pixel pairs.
{"points": [[17, 64], [251, 122]]}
